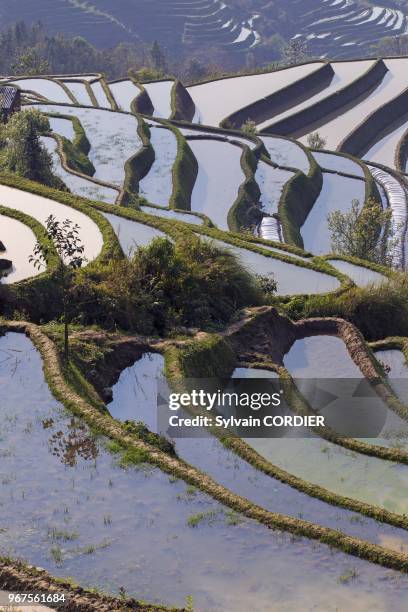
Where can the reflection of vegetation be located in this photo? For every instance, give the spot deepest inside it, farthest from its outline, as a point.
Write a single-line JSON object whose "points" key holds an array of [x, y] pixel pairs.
{"points": [[90, 549], [349, 575], [57, 553], [77, 443], [233, 518], [209, 517]]}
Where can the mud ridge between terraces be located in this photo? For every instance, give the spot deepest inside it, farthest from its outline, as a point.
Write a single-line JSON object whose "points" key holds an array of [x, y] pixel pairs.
{"points": [[16, 576]]}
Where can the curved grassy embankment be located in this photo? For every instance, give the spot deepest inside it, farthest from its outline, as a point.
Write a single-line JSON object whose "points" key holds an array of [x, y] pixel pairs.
{"points": [[142, 104], [246, 213], [138, 165], [109, 94], [38, 288], [274, 328], [182, 104], [75, 153], [105, 425], [185, 170], [297, 200]]}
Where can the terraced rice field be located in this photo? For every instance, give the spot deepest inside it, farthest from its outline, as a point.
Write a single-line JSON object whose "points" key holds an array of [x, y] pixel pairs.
{"points": [[124, 92], [40, 208], [134, 397], [217, 100], [341, 28], [216, 187], [160, 95], [344, 73], [109, 529], [79, 91], [78, 185], [100, 95], [111, 145], [291, 279], [76, 503], [46, 88], [271, 182]]}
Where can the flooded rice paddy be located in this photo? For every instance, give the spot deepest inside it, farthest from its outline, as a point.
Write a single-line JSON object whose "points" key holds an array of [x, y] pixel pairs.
{"points": [[69, 507], [135, 398]]}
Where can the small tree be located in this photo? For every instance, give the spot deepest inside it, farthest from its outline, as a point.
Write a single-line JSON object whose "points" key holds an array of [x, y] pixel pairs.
{"points": [[363, 232], [29, 63], [65, 237], [158, 57], [21, 150], [249, 127], [315, 141]]}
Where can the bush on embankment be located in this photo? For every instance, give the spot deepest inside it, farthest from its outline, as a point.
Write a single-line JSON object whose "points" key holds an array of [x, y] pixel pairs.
{"points": [[165, 285]]}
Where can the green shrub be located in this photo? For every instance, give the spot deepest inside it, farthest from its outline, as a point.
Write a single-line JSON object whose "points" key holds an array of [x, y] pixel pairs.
{"points": [[163, 285], [21, 150]]}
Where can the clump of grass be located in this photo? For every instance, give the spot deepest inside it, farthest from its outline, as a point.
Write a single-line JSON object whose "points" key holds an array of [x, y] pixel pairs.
{"points": [[140, 430], [208, 517], [56, 555], [127, 457], [61, 535], [378, 311], [90, 549]]}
